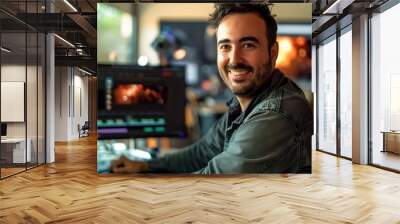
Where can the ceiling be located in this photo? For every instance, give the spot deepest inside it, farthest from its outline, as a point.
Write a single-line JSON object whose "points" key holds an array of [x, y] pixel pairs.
{"points": [[332, 15], [76, 24]]}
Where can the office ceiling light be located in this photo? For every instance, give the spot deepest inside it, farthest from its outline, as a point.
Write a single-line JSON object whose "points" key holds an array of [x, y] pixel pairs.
{"points": [[65, 41], [5, 50], [86, 72], [70, 5]]}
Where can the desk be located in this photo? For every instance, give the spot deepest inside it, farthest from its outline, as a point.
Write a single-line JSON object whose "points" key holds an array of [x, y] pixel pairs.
{"points": [[391, 141], [16, 147]]}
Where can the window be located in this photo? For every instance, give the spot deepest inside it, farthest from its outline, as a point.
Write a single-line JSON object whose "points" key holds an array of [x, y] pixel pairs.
{"points": [[385, 89], [327, 96], [346, 93]]}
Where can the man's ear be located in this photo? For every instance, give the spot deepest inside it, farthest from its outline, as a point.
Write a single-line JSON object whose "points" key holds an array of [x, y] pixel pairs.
{"points": [[274, 53]]}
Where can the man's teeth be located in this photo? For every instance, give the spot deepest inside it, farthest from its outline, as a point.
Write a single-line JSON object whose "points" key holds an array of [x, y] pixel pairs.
{"points": [[238, 72]]}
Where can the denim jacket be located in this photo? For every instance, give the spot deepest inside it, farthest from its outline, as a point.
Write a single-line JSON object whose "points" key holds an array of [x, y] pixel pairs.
{"points": [[273, 135]]}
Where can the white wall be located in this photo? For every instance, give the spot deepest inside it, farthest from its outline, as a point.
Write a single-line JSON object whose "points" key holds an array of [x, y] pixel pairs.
{"points": [[61, 103], [80, 103], [13, 73], [71, 93]]}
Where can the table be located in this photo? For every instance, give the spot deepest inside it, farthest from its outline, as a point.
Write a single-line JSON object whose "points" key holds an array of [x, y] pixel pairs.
{"points": [[16, 147], [391, 141]]}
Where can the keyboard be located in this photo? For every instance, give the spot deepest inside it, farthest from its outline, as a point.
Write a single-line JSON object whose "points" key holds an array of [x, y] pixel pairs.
{"points": [[105, 157]]}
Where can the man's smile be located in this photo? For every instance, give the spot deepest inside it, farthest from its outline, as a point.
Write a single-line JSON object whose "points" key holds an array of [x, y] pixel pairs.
{"points": [[239, 75]]}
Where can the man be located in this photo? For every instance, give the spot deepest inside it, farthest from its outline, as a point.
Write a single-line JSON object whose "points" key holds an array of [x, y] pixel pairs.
{"points": [[269, 124]]}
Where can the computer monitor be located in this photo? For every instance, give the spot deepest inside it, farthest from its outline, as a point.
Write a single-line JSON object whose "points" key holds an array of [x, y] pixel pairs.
{"points": [[140, 101], [3, 129]]}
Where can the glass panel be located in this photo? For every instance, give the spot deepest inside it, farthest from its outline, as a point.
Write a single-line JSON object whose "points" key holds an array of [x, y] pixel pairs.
{"points": [[41, 99], [313, 89], [31, 87], [385, 88], [346, 94], [31, 97], [13, 85], [327, 97], [14, 151], [23, 79]]}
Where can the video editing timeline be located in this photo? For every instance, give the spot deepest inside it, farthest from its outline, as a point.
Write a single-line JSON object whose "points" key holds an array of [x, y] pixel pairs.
{"points": [[136, 101]]}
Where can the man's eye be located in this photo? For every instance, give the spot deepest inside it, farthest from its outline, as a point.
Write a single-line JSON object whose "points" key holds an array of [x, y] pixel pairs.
{"points": [[249, 45], [224, 47]]}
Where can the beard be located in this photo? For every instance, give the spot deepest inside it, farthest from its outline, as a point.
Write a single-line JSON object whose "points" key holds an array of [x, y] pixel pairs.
{"points": [[249, 87]]}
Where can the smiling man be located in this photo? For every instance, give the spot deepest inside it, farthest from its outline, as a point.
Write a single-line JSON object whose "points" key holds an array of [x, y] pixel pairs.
{"points": [[269, 124]]}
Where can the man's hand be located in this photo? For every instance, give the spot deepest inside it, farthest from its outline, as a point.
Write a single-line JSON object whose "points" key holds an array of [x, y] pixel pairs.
{"points": [[124, 165]]}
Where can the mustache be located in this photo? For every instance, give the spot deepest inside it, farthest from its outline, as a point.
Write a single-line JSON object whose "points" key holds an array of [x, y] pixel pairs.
{"points": [[238, 66]]}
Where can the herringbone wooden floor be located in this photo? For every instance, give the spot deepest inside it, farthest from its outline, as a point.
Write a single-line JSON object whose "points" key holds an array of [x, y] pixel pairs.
{"points": [[70, 191]]}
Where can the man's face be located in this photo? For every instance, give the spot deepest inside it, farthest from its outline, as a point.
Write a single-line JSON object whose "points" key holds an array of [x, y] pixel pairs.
{"points": [[244, 59]]}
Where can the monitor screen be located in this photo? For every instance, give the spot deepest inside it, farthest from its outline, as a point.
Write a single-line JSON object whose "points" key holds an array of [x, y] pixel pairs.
{"points": [[140, 101], [3, 129]]}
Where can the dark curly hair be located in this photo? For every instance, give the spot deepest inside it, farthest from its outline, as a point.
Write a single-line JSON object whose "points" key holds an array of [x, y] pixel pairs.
{"points": [[224, 9]]}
